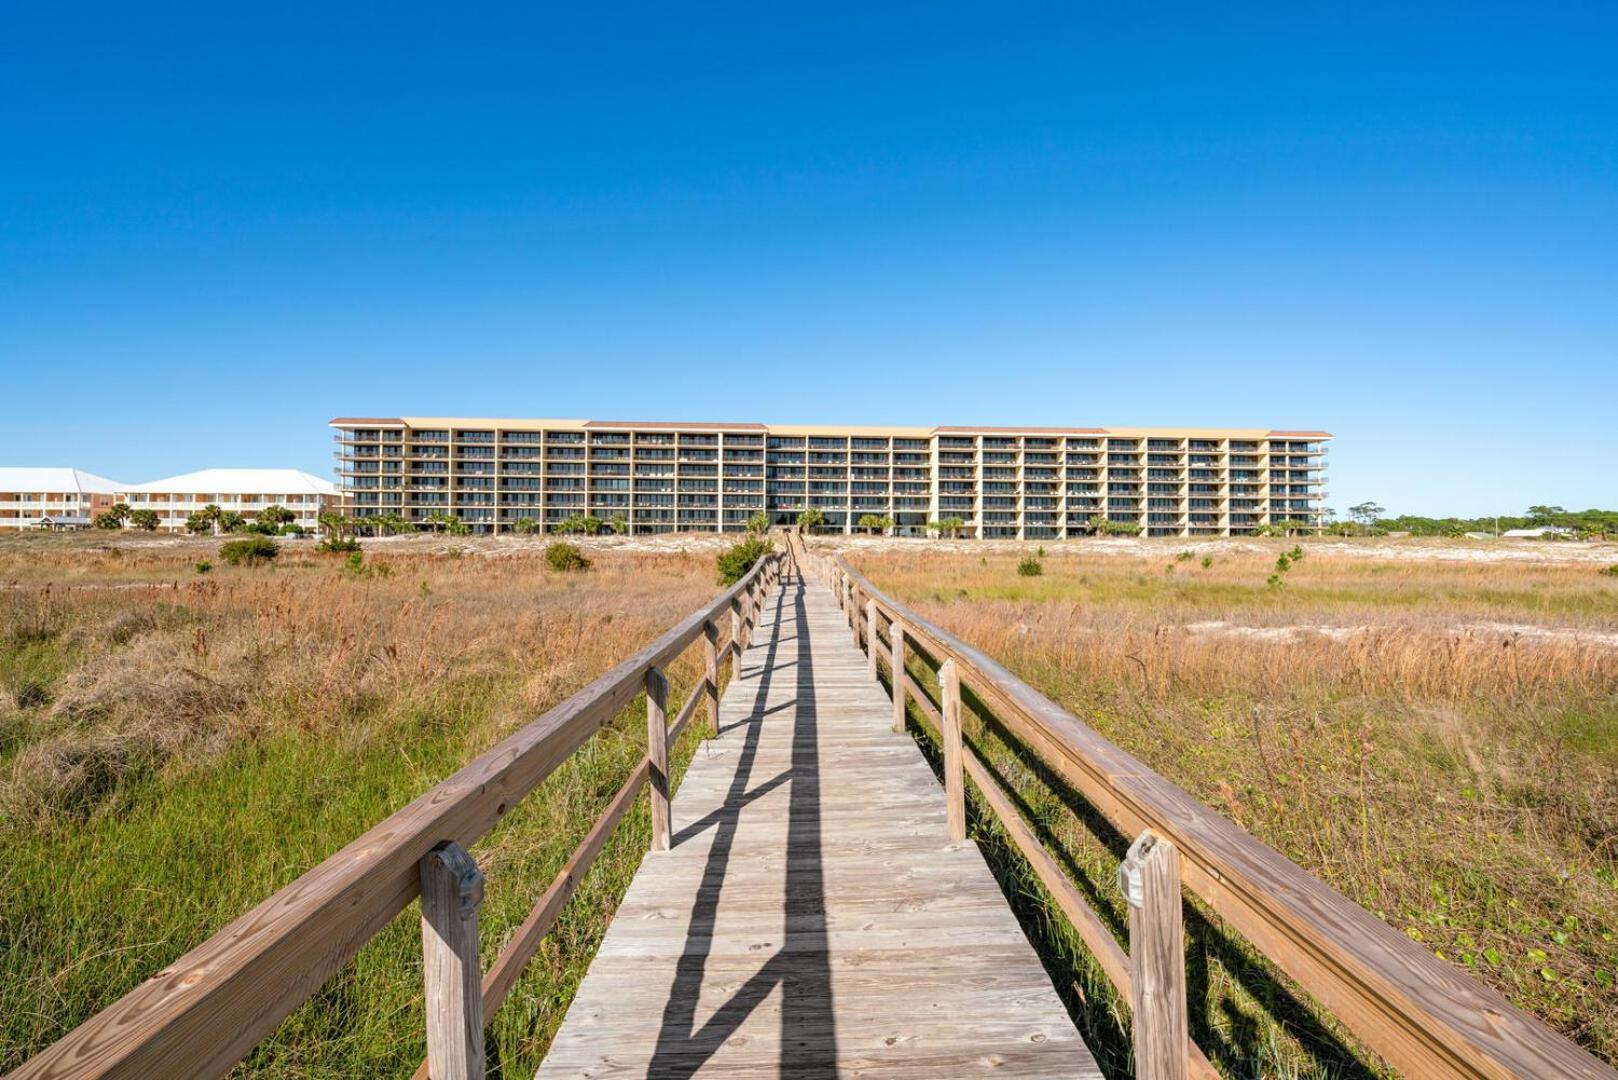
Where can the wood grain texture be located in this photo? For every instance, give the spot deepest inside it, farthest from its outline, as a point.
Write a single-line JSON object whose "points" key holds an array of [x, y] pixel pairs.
{"points": [[1150, 876], [451, 892], [199, 1015], [896, 634], [657, 755], [812, 918], [954, 783], [1422, 1015]]}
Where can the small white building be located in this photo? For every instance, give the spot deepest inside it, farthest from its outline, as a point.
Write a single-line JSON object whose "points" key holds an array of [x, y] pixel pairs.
{"points": [[245, 491], [1539, 532], [52, 497]]}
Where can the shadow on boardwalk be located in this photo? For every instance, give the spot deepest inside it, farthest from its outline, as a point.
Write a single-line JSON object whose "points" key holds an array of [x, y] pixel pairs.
{"points": [[801, 968]]}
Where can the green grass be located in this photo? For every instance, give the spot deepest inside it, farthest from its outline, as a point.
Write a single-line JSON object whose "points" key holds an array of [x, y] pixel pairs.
{"points": [[92, 906], [1467, 804]]}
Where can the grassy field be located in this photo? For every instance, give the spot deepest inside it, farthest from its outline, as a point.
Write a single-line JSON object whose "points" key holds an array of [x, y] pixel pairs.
{"points": [[176, 745], [1436, 737]]}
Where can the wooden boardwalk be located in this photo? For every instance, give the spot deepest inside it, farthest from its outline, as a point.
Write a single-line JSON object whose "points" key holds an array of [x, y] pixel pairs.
{"points": [[812, 918]]}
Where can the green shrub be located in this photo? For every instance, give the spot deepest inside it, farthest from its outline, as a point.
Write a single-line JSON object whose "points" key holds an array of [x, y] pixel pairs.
{"points": [[565, 557], [249, 550], [113, 517], [739, 559], [1030, 567], [1611, 571], [1207, 561], [145, 520], [759, 522], [203, 566], [810, 520], [339, 544]]}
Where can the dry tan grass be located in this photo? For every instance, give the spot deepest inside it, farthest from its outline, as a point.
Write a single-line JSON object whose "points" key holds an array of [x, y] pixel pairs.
{"points": [[1462, 784], [201, 661], [189, 742]]}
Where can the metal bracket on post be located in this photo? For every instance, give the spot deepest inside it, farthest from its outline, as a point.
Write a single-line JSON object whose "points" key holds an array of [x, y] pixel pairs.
{"points": [[451, 893]]}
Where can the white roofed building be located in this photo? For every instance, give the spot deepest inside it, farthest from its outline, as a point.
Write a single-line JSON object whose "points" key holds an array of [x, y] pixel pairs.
{"points": [[60, 497], [245, 491]]}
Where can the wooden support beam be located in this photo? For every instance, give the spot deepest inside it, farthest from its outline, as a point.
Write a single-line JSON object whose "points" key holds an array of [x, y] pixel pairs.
{"points": [[870, 639], [451, 891], [949, 678], [1150, 879], [710, 673], [896, 634], [657, 752]]}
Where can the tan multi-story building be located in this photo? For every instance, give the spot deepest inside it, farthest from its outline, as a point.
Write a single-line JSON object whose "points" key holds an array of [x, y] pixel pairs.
{"points": [[52, 498], [1018, 483], [244, 491]]}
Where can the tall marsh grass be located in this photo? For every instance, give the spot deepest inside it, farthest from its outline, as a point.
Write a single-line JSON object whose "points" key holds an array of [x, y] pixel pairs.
{"points": [[1456, 779], [173, 748]]}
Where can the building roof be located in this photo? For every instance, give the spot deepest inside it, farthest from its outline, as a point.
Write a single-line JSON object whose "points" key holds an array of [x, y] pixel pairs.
{"points": [[57, 479], [670, 425], [534, 424], [983, 430], [254, 481]]}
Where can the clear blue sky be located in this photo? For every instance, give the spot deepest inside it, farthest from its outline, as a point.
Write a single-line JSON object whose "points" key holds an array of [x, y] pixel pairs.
{"points": [[219, 229]]}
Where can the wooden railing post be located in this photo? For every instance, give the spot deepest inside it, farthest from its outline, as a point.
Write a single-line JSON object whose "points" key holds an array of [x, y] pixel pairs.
{"points": [[870, 639], [657, 752], [451, 891], [747, 618], [710, 670], [854, 614], [949, 681], [896, 634], [1150, 879]]}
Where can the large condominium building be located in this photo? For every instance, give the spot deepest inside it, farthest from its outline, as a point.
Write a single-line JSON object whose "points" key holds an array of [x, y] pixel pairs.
{"points": [[245, 491], [1020, 483], [60, 498]]}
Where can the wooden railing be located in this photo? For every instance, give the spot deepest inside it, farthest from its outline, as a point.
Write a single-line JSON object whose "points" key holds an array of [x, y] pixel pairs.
{"points": [[1421, 1015], [203, 1013]]}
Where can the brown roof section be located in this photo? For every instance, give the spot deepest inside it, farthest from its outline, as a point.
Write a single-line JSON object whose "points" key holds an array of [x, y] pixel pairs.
{"points": [[1030, 430], [356, 421], [1300, 435], [661, 425]]}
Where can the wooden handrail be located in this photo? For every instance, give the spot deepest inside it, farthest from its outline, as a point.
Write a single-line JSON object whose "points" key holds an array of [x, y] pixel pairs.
{"points": [[1419, 1013], [200, 1015]]}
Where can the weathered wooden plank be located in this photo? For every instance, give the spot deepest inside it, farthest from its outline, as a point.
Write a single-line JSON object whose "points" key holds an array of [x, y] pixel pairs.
{"points": [[657, 756], [1422, 1015], [451, 892], [199, 1015], [812, 915], [1150, 878]]}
